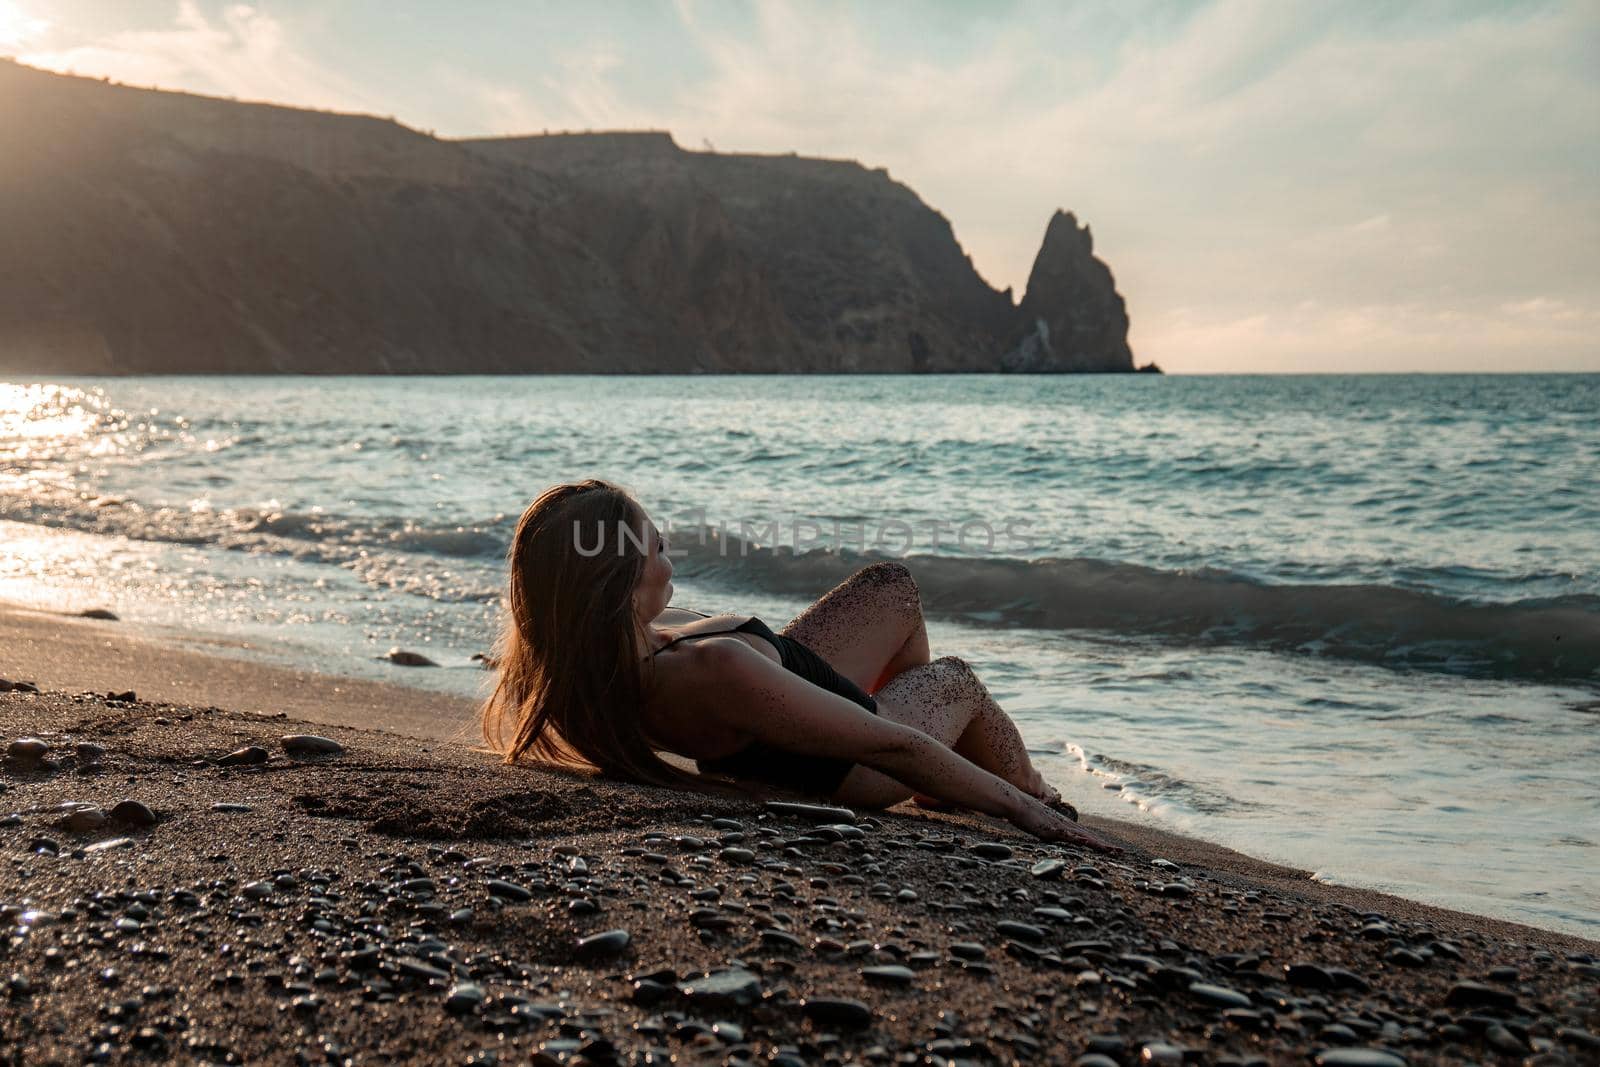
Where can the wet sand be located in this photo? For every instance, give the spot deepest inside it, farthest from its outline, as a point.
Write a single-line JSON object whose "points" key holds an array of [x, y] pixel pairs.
{"points": [[408, 898]]}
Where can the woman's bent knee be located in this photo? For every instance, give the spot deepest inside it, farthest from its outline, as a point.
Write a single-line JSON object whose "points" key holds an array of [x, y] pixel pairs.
{"points": [[889, 573]]}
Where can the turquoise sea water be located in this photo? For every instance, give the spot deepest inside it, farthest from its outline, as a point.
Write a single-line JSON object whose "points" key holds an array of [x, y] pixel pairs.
{"points": [[1347, 623]]}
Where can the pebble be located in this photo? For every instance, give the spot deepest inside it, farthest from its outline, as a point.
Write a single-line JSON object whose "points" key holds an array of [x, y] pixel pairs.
{"points": [[26, 750], [1221, 996], [104, 614], [88, 752], [1360, 1057], [1308, 976], [465, 998], [1049, 870], [231, 808], [1478, 995], [508, 891], [991, 850], [649, 991], [249, 756], [734, 986], [1579, 1038], [105, 846], [1343, 979], [836, 1011], [1161, 1054], [1095, 1059], [402, 658], [310, 745], [1503, 1040], [781, 939], [892, 974], [1020, 931], [133, 813], [412, 967], [84, 821], [606, 943], [814, 812]]}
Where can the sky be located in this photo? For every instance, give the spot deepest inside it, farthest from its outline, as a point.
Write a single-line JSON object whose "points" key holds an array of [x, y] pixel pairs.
{"points": [[1277, 186]]}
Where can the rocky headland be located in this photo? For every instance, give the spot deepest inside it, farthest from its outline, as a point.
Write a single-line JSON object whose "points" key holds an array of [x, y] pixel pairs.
{"points": [[157, 232]]}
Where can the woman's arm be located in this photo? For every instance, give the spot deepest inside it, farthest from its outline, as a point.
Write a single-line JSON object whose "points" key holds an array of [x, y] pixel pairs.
{"points": [[733, 685]]}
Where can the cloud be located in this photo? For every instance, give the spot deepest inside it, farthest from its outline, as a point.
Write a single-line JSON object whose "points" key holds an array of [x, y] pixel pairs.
{"points": [[18, 27], [1395, 336], [243, 52], [578, 93]]}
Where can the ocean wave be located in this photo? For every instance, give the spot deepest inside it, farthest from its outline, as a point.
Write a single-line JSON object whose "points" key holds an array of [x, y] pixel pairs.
{"points": [[396, 554], [1546, 639], [1552, 639]]}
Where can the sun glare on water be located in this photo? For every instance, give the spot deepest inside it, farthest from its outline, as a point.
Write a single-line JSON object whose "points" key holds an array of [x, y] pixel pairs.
{"points": [[32, 414], [40, 426]]}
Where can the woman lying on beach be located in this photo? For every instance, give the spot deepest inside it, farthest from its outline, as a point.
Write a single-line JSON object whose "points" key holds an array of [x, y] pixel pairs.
{"points": [[597, 670]]}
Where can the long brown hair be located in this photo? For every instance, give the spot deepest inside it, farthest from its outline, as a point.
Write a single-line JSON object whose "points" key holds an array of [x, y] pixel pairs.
{"points": [[572, 681]]}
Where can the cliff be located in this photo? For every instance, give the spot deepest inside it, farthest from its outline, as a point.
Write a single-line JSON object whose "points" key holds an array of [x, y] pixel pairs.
{"points": [[145, 231]]}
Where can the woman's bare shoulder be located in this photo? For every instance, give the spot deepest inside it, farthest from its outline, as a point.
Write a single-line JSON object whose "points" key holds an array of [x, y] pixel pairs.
{"points": [[685, 705], [692, 674], [700, 624], [679, 616], [709, 651], [687, 620]]}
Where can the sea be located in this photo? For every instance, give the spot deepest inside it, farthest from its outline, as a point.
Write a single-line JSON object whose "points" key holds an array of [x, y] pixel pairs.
{"points": [[1346, 623]]}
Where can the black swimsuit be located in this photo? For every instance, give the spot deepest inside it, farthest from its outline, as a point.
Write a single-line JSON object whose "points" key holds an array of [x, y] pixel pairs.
{"points": [[775, 766]]}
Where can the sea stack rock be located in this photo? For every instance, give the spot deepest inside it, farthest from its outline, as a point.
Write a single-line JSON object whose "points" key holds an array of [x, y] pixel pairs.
{"points": [[1071, 318]]}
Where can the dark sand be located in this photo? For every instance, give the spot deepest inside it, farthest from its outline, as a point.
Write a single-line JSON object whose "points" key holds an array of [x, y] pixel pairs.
{"points": [[333, 919]]}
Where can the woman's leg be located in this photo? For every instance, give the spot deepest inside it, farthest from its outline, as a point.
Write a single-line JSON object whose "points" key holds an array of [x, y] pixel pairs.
{"points": [[869, 627], [945, 700]]}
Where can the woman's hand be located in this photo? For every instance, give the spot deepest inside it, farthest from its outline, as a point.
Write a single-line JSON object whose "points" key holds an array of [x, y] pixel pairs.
{"points": [[1040, 789], [1049, 825]]}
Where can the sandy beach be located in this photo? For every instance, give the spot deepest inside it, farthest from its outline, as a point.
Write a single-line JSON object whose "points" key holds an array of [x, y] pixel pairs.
{"points": [[403, 897]]}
